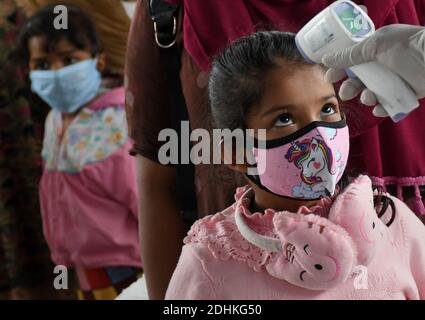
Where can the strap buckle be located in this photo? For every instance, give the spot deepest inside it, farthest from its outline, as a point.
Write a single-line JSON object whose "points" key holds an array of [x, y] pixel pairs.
{"points": [[174, 35]]}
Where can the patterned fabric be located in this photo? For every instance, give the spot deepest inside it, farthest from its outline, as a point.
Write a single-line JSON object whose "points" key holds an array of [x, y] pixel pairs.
{"points": [[92, 136], [25, 267], [307, 166], [105, 283], [88, 194], [216, 264]]}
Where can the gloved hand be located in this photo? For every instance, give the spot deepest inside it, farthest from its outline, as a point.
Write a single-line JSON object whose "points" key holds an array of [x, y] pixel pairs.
{"points": [[399, 47]]}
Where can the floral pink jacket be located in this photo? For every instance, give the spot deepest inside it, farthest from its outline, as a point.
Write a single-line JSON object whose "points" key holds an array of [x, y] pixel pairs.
{"points": [[339, 249], [88, 189]]}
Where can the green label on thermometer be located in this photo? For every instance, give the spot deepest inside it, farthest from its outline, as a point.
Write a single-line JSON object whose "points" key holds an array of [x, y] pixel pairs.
{"points": [[352, 19]]}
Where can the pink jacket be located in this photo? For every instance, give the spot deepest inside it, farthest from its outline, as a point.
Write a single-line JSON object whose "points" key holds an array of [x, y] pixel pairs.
{"points": [[88, 189], [339, 249]]}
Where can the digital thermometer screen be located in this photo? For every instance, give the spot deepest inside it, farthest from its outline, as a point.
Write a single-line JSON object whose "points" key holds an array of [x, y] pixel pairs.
{"points": [[352, 19]]}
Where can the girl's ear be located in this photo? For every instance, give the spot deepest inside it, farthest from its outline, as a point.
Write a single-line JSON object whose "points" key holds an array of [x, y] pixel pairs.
{"points": [[101, 62], [234, 157]]}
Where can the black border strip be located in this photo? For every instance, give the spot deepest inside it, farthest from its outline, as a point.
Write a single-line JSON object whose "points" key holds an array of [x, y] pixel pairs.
{"points": [[253, 178], [270, 144]]}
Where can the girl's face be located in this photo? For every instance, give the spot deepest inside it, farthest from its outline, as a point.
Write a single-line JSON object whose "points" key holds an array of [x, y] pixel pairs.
{"points": [[62, 55], [292, 100], [65, 91]]}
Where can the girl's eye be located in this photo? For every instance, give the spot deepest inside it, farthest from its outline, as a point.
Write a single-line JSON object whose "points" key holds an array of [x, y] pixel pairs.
{"points": [[42, 66], [69, 60], [284, 120], [328, 109]]}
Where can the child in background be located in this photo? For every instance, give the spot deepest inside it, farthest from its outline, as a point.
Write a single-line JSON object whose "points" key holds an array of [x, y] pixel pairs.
{"points": [[300, 230], [88, 189]]}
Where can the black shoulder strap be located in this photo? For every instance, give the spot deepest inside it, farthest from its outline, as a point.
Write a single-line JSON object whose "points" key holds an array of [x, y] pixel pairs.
{"points": [[164, 17]]}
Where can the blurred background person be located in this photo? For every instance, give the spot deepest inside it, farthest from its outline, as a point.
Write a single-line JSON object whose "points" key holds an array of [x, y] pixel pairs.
{"points": [[26, 271], [87, 191]]}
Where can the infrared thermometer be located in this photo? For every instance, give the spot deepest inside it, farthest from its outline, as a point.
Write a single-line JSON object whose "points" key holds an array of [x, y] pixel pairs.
{"points": [[341, 25]]}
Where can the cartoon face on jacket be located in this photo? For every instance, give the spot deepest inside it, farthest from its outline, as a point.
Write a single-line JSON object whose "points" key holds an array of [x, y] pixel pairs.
{"points": [[318, 253]]}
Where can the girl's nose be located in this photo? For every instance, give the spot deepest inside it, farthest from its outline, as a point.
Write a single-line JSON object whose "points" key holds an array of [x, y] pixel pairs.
{"points": [[56, 65], [309, 118]]}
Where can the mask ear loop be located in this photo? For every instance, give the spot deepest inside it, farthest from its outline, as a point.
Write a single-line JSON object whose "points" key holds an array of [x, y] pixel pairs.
{"points": [[251, 236], [252, 172]]}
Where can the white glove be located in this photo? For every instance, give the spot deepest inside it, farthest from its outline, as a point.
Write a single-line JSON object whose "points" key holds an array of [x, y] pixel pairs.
{"points": [[399, 47]]}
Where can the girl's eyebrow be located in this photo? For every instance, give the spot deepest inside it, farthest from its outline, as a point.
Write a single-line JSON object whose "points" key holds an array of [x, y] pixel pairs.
{"points": [[329, 97], [65, 52], [37, 59], [288, 107], [62, 53]]}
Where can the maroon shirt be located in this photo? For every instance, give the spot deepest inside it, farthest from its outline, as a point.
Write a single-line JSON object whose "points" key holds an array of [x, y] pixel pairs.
{"points": [[392, 153]]}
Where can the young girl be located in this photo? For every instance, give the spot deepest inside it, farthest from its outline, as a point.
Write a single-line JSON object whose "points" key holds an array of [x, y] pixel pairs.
{"points": [[299, 230], [88, 187]]}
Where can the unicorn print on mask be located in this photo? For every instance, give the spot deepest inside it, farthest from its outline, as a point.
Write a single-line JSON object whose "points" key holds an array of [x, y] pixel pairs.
{"points": [[306, 164], [314, 159]]}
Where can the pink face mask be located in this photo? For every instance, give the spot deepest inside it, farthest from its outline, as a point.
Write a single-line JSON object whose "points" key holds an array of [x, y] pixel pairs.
{"points": [[306, 164]]}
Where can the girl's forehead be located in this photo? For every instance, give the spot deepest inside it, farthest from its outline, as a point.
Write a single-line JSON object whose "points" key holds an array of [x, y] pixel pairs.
{"points": [[295, 74], [301, 85], [39, 45], [302, 92]]}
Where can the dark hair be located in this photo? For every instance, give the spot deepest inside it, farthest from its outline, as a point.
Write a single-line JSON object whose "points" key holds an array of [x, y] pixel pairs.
{"points": [[81, 31], [237, 74], [236, 84]]}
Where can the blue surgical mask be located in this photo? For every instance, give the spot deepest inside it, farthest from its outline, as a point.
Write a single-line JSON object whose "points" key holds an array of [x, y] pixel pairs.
{"points": [[69, 88]]}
